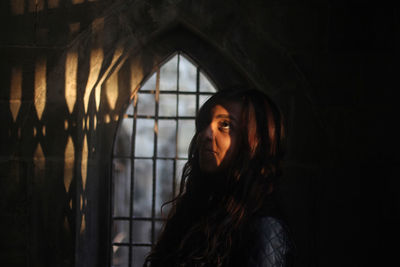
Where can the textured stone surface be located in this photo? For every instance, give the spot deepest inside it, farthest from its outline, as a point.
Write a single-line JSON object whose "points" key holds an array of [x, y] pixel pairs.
{"points": [[331, 67]]}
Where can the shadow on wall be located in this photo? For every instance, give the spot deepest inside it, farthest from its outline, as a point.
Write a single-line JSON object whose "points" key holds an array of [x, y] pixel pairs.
{"points": [[67, 92]]}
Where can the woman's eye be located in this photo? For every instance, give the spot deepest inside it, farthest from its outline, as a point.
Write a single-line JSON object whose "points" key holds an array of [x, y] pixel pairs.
{"points": [[225, 125]]}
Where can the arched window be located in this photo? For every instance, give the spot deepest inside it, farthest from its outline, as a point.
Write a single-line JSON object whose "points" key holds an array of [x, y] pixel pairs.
{"points": [[150, 150]]}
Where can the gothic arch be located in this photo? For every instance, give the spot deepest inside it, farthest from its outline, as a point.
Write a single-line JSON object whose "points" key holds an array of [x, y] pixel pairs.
{"points": [[118, 82]]}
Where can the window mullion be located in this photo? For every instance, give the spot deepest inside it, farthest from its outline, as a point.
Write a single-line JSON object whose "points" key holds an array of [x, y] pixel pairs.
{"points": [[131, 197], [153, 200]]}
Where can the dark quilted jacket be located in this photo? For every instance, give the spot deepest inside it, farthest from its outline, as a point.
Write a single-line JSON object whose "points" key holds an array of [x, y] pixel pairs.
{"points": [[268, 244]]}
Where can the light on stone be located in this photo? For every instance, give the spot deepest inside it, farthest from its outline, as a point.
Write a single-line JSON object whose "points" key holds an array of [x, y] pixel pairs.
{"points": [[71, 70], [83, 224], [40, 86], [17, 7], [117, 55], [96, 59], [16, 91], [107, 118], [85, 154], [53, 3], [36, 5], [69, 159], [112, 90], [39, 163], [75, 2]]}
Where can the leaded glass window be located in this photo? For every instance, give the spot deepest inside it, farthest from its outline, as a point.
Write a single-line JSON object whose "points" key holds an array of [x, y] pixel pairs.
{"points": [[150, 150]]}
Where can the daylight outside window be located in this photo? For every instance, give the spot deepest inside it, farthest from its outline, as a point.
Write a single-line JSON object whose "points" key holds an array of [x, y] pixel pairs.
{"points": [[150, 150]]}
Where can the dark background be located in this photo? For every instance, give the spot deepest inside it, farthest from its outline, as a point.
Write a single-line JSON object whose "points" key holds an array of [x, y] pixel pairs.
{"points": [[332, 66]]}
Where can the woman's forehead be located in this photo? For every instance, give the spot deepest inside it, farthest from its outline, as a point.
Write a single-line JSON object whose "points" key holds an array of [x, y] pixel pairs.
{"points": [[231, 110]]}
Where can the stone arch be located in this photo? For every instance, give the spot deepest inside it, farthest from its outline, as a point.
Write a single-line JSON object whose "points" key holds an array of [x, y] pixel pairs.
{"points": [[112, 59], [107, 102]]}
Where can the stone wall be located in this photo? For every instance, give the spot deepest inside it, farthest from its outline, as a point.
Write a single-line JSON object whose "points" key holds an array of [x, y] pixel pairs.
{"points": [[70, 68]]}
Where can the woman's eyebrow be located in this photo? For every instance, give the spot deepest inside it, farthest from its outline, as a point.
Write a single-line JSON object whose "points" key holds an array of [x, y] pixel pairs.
{"points": [[226, 116]]}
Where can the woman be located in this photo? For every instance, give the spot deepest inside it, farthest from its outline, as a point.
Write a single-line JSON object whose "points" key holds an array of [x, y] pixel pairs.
{"points": [[224, 215]]}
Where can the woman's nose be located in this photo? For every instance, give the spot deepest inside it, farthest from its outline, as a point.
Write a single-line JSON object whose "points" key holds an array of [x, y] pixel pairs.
{"points": [[208, 132]]}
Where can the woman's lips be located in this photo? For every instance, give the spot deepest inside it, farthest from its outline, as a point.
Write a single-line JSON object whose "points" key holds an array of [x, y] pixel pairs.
{"points": [[208, 154]]}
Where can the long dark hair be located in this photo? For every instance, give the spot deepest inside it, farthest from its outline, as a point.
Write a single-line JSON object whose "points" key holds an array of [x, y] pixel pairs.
{"points": [[207, 221]]}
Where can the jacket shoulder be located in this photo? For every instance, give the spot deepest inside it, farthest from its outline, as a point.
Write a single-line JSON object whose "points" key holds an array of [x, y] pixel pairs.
{"points": [[272, 246]]}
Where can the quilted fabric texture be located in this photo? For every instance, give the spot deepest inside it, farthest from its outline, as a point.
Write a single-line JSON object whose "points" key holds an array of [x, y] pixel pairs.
{"points": [[271, 246]]}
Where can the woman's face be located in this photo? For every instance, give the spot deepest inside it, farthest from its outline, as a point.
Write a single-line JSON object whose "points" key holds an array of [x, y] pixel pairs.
{"points": [[218, 141]]}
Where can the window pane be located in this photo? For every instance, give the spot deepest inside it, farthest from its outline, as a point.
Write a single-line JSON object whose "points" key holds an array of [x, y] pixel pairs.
{"points": [[167, 105], [166, 143], [187, 105], [120, 256], [143, 187], [122, 185], [139, 254], [185, 134], [164, 186], [168, 74], [205, 84], [129, 110], [179, 169], [150, 84], [187, 75], [144, 138], [173, 138], [146, 104], [123, 145], [141, 231], [203, 99], [120, 231]]}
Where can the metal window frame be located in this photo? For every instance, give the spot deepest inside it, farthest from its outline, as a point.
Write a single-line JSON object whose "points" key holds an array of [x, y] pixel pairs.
{"points": [[153, 219]]}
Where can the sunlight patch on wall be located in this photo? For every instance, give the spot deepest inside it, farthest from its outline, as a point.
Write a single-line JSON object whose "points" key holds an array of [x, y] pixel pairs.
{"points": [[36, 5], [84, 163], [76, 2], [83, 224], [96, 59], [39, 163], [117, 55], [111, 87], [69, 159], [136, 76], [107, 118], [16, 91], [83, 219], [71, 71], [53, 3], [74, 28], [66, 224], [17, 7], [40, 86]]}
